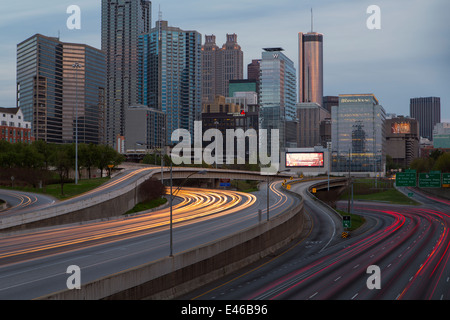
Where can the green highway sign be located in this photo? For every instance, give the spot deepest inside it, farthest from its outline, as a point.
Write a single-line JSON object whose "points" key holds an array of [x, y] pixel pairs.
{"points": [[346, 221], [446, 180], [405, 179], [430, 180]]}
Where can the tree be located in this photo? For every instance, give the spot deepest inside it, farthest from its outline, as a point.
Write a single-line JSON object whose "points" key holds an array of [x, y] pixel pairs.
{"points": [[422, 164], [443, 163], [63, 161], [105, 156], [87, 154]]}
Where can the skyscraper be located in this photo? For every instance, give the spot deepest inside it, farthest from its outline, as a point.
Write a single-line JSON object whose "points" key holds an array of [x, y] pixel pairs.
{"points": [[310, 65], [122, 23], [358, 134], [310, 115], [277, 92], [220, 65], [55, 96], [427, 111], [170, 75]]}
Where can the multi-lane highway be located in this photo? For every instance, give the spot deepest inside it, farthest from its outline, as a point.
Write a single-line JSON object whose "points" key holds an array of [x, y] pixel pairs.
{"points": [[34, 264], [409, 245]]}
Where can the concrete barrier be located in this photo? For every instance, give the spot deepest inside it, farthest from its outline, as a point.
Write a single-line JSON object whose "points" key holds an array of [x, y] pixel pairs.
{"points": [[171, 277]]}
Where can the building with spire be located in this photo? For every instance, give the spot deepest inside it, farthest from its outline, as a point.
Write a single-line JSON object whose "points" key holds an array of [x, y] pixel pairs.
{"points": [[310, 66]]}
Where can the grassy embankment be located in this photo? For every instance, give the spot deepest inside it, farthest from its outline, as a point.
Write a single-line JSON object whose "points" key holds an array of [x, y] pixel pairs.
{"points": [[364, 189], [70, 189]]}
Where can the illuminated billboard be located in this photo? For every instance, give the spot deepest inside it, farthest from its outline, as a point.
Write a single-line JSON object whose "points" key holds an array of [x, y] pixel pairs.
{"points": [[304, 159], [401, 127]]}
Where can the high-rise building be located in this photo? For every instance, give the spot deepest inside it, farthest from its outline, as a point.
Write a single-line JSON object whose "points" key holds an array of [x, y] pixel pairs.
{"points": [[441, 135], [310, 67], [330, 101], [55, 96], [170, 75], [358, 136], [427, 111], [143, 128], [310, 115], [277, 93], [253, 70], [220, 65], [402, 140], [122, 23]]}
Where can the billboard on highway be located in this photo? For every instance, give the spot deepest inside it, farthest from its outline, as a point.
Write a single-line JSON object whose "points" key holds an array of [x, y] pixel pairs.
{"points": [[304, 159]]}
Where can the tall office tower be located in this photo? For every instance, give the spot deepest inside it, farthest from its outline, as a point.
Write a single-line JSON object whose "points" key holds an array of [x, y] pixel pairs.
{"points": [[220, 65], [402, 140], [330, 101], [253, 70], [55, 96], [310, 115], [170, 75], [358, 134], [122, 23], [232, 63], [427, 111], [310, 65], [277, 93], [210, 69]]}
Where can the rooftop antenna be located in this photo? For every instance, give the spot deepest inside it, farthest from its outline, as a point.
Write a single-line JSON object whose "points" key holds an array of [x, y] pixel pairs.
{"points": [[160, 13], [312, 20]]}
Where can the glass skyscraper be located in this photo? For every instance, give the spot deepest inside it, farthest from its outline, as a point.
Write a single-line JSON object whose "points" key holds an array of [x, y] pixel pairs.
{"points": [[358, 136], [122, 23], [277, 92], [52, 93], [170, 75]]}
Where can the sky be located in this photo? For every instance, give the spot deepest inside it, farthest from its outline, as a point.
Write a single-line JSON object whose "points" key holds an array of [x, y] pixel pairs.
{"points": [[408, 57]]}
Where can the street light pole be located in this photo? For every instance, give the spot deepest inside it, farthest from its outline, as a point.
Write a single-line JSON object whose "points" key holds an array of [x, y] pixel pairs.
{"points": [[77, 66]]}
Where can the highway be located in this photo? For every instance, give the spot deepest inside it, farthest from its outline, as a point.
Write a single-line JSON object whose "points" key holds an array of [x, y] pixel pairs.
{"points": [[409, 244], [34, 264], [23, 201]]}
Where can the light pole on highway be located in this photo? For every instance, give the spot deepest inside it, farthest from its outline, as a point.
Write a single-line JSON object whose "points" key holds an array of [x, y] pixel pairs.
{"points": [[171, 201], [76, 66], [268, 189]]}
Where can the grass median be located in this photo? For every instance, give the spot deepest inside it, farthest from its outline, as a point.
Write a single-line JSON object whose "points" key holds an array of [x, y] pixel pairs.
{"points": [[70, 189]]}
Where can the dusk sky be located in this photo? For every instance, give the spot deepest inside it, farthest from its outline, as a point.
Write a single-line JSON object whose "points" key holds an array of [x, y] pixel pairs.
{"points": [[408, 57]]}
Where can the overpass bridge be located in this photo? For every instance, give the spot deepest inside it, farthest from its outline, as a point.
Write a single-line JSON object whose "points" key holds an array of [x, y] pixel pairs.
{"points": [[117, 196]]}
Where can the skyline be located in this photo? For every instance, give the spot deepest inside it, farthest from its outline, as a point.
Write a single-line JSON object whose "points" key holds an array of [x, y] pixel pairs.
{"points": [[407, 58]]}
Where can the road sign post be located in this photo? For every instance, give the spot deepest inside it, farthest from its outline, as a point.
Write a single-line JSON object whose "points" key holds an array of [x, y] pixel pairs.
{"points": [[347, 222]]}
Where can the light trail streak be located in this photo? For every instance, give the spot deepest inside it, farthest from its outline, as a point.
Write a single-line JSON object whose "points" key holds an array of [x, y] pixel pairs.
{"points": [[195, 205]]}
